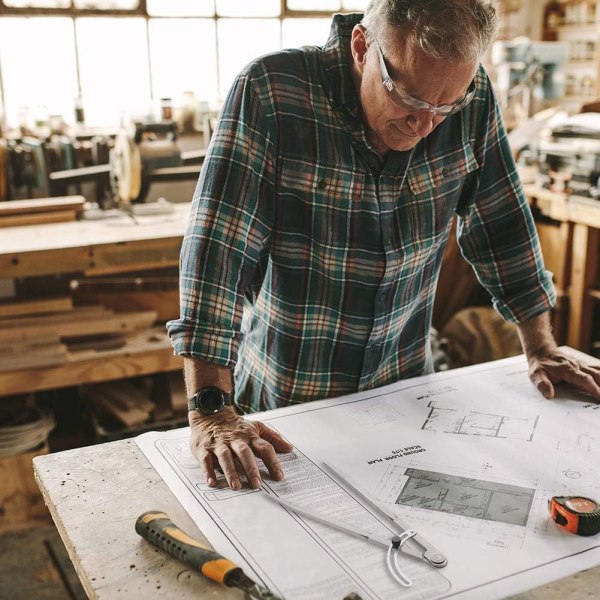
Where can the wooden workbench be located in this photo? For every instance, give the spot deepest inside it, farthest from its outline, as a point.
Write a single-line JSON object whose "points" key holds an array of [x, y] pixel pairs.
{"points": [[575, 257], [95, 494], [95, 248]]}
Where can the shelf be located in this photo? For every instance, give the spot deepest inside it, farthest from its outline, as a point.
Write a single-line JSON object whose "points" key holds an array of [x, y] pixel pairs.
{"points": [[145, 353], [590, 25], [94, 247]]}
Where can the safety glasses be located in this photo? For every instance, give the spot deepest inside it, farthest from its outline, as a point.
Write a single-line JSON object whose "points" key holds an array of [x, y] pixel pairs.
{"points": [[410, 104]]}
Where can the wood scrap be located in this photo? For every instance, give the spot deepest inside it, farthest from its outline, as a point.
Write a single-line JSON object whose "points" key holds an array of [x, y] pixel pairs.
{"points": [[121, 401], [97, 343], [42, 205], [58, 216], [18, 308], [94, 325], [78, 313], [34, 357]]}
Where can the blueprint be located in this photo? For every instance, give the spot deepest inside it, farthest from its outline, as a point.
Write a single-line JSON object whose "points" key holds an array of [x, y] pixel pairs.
{"points": [[468, 458]]}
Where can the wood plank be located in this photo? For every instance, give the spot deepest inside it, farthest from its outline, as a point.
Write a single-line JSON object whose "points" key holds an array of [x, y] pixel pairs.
{"points": [[102, 259], [555, 239], [117, 323], [105, 400], [583, 278], [77, 313], [18, 308], [144, 353], [164, 302], [42, 205], [12, 346], [42, 356], [57, 216], [585, 211], [20, 497]]}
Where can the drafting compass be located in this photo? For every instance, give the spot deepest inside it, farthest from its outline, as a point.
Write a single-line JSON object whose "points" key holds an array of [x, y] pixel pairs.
{"points": [[577, 514], [403, 539]]}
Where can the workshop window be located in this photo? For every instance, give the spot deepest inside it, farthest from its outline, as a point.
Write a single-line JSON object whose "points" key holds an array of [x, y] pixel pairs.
{"points": [[120, 57], [113, 68], [37, 82], [175, 44], [180, 8]]}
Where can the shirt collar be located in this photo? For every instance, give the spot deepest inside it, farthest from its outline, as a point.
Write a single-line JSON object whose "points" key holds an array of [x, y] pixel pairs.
{"points": [[337, 64]]}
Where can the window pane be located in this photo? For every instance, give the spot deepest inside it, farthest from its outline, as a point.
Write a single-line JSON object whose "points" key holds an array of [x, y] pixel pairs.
{"points": [[38, 3], [260, 37], [243, 8], [183, 56], [34, 80], [107, 4], [113, 65], [357, 5], [304, 32], [181, 8], [332, 5]]}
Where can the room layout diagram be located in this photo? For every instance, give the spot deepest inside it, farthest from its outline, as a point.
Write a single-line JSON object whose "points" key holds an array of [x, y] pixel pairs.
{"points": [[446, 417], [468, 497]]}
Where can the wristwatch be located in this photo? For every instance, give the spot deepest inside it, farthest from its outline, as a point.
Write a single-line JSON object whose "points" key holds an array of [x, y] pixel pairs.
{"points": [[209, 400]]}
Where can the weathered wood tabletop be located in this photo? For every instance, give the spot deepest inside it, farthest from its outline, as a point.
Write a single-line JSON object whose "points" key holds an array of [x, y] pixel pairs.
{"points": [[96, 493]]}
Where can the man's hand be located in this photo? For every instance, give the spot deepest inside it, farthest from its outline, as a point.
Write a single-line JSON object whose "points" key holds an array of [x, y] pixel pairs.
{"points": [[229, 438], [549, 365], [555, 366]]}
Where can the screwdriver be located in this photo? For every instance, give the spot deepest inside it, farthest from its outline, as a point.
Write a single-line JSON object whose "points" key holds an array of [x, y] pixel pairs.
{"points": [[156, 527]]}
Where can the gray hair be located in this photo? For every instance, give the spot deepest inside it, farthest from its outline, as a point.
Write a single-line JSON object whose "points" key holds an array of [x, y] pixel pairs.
{"points": [[442, 29]]}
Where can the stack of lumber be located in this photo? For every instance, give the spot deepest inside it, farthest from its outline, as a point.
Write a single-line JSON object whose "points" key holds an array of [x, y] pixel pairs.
{"points": [[121, 401], [40, 210], [42, 333], [128, 405]]}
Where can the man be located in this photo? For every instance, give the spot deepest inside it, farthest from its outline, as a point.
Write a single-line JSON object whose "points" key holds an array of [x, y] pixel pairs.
{"points": [[320, 219]]}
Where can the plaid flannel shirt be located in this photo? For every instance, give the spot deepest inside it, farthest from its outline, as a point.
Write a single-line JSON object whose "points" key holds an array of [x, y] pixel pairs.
{"points": [[310, 261]]}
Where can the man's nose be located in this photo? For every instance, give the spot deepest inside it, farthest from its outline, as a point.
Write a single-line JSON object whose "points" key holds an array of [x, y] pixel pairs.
{"points": [[422, 122]]}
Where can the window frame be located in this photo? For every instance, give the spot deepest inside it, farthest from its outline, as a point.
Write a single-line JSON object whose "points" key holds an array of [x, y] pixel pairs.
{"points": [[141, 12]]}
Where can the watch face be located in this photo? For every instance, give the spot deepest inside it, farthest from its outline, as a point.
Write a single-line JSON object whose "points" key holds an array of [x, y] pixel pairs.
{"points": [[210, 400]]}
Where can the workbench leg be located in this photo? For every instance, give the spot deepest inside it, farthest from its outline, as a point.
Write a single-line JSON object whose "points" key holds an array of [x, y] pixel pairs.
{"points": [[583, 279]]}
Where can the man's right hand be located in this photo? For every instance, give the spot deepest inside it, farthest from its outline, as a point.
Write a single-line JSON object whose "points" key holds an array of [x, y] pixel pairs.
{"points": [[227, 438]]}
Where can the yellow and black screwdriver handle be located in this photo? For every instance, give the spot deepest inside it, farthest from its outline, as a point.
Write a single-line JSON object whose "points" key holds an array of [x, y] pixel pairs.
{"points": [[158, 529]]}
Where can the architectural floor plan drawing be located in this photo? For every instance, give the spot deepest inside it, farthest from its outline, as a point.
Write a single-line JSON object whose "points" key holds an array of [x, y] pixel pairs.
{"points": [[468, 458], [447, 418], [466, 496]]}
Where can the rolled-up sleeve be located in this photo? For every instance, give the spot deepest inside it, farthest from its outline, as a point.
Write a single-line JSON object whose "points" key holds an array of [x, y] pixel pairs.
{"points": [[229, 229], [496, 231]]}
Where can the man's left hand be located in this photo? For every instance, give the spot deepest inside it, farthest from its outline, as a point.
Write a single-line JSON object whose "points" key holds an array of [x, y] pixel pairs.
{"points": [[555, 366]]}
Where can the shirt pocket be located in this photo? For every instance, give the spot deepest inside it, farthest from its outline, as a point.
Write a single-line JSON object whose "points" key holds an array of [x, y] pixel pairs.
{"points": [[436, 184], [427, 204]]}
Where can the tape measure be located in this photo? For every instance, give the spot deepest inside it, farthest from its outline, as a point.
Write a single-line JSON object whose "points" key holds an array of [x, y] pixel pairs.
{"points": [[576, 514]]}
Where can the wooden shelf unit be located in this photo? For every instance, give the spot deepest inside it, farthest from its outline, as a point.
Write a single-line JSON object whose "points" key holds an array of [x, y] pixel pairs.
{"points": [[574, 248], [95, 248], [144, 354]]}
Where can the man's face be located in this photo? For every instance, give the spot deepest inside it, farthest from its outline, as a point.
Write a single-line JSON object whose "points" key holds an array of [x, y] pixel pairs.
{"points": [[394, 125]]}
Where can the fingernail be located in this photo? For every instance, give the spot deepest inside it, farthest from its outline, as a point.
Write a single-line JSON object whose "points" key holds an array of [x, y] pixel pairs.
{"points": [[278, 475], [211, 482], [255, 483], [236, 485]]}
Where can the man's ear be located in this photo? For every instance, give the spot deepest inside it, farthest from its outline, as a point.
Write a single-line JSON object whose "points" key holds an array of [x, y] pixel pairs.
{"points": [[358, 44]]}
